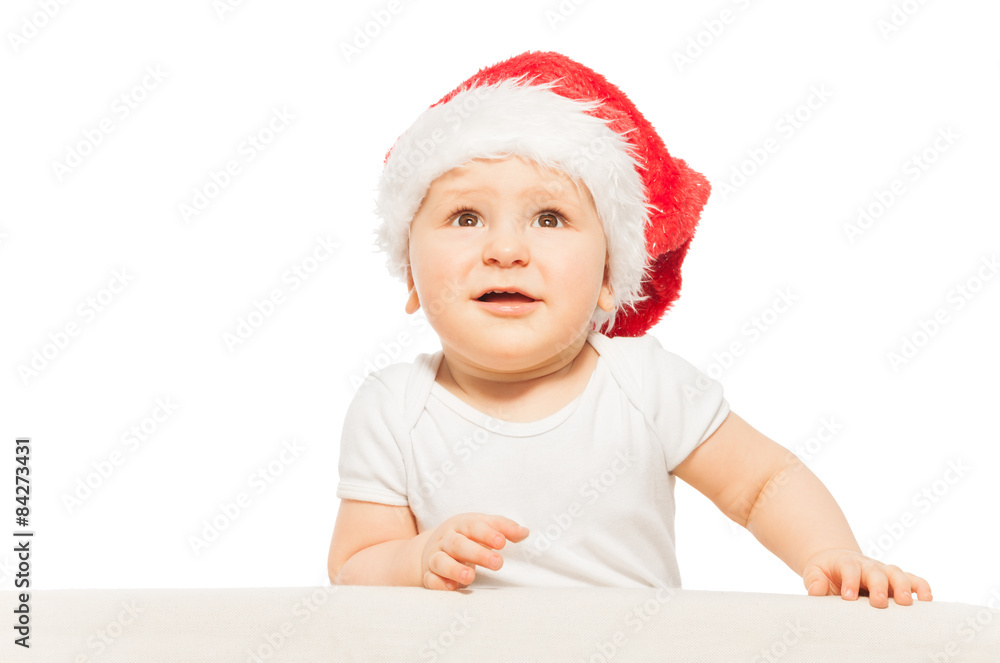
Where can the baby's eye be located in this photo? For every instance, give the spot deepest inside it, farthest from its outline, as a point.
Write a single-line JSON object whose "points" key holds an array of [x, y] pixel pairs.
{"points": [[466, 220], [549, 220]]}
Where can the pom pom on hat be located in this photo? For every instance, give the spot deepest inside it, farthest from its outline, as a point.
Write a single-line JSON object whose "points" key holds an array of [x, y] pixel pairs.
{"points": [[545, 107]]}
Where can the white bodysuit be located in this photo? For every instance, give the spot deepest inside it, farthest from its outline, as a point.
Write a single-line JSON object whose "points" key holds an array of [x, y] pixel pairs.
{"points": [[591, 482]]}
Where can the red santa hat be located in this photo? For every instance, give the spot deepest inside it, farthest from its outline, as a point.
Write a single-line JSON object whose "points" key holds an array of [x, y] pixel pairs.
{"points": [[545, 107]]}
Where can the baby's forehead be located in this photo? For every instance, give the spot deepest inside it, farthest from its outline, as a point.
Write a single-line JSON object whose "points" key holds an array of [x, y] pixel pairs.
{"points": [[532, 177]]}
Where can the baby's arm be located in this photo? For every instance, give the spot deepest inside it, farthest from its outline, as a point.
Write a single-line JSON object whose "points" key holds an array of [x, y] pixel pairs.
{"points": [[374, 544], [378, 544], [767, 489]]}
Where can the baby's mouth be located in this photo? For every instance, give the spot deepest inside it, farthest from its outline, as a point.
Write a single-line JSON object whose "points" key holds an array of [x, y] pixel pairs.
{"points": [[505, 297]]}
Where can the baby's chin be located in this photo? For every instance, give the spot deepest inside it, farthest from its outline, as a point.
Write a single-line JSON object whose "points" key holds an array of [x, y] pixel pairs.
{"points": [[512, 358]]}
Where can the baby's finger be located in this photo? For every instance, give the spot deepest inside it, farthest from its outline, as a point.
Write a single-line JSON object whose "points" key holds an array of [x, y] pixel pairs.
{"points": [[920, 586], [508, 528], [816, 582], [877, 582], [899, 583], [485, 532], [850, 579], [449, 569], [466, 551], [436, 582]]}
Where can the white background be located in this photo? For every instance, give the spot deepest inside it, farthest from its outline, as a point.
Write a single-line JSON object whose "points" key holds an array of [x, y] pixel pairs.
{"points": [[886, 97]]}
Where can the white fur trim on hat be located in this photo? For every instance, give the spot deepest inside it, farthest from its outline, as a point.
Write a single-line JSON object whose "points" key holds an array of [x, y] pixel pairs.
{"points": [[514, 117]]}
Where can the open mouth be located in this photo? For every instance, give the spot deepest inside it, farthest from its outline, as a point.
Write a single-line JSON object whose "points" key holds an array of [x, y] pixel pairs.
{"points": [[505, 297]]}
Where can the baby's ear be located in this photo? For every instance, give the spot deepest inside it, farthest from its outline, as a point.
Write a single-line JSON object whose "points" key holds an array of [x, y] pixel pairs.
{"points": [[606, 300], [412, 299]]}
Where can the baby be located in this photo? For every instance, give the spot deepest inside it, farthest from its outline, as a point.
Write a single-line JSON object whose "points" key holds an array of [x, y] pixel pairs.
{"points": [[541, 224]]}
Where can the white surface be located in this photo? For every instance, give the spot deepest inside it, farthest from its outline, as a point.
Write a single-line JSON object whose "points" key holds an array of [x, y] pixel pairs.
{"points": [[514, 624], [162, 338]]}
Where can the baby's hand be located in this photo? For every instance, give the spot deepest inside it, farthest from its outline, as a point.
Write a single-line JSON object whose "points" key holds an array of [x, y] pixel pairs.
{"points": [[459, 543], [846, 572]]}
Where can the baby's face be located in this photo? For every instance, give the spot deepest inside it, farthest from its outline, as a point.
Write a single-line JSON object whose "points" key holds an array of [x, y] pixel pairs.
{"points": [[507, 224]]}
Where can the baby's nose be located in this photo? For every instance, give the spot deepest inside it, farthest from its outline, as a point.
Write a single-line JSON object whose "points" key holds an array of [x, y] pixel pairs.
{"points": [[506, 245]]}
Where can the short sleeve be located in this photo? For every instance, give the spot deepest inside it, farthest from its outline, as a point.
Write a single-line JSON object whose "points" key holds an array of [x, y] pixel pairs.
{"points": [[684, 405], [371, 461]]}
